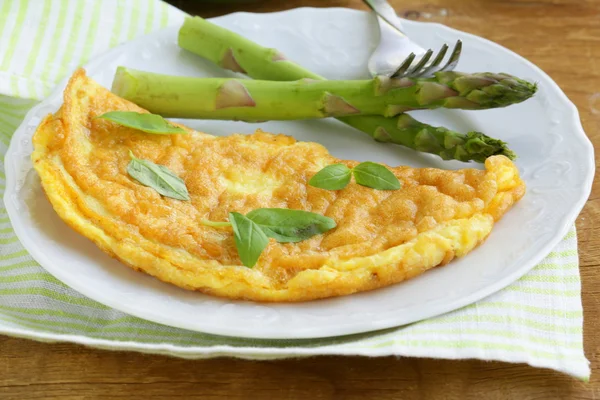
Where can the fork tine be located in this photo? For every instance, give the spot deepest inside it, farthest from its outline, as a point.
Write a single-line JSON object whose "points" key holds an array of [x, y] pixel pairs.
{"points": [[433, 67], [451, 64], [404, 66], [416, 70]]}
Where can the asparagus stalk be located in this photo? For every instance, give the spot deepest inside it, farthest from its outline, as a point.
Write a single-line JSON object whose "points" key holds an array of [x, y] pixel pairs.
{"points": [[407, 131], [244, 99], [236, 53]]}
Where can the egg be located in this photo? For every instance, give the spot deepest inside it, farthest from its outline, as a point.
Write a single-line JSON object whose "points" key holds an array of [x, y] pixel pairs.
{"points": [[382, 237]]}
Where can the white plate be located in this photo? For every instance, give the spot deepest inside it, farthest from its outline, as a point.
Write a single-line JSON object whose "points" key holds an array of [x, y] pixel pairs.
{"points": [[555, 158]]}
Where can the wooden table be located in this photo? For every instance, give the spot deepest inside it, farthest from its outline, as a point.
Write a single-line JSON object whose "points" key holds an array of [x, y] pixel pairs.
{"points": [[563, 38]]}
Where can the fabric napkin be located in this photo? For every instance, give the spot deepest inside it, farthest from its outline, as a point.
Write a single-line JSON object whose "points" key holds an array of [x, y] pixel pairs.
{"points": [[537, 320]]}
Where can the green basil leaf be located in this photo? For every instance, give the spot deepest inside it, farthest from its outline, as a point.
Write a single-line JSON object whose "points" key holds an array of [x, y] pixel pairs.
{"points": [[149, 123], [332, 177], [285, 225], [250, 240], [375, 176], [158, 177]]}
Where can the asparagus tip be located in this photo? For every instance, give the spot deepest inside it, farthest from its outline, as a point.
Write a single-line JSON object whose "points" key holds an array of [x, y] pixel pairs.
{"points": [[481, 146]]}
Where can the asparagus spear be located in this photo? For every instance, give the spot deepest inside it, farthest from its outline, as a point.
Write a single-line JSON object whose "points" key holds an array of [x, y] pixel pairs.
{"points": [[407, 131], [236, 53], [244, 99]]}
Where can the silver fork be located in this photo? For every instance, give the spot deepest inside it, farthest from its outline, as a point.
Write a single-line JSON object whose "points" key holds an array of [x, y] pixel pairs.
{"points": [[398, 56]]}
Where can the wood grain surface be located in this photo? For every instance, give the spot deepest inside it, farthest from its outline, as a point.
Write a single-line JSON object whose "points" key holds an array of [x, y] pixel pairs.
{"points": [[560, 36]]}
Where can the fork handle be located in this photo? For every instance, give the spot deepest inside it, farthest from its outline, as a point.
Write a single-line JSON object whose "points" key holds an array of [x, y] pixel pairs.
{"points": [[385, 11]]}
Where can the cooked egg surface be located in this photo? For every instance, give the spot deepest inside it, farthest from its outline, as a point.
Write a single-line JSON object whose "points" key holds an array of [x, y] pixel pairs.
{"points": [[381, 238]]}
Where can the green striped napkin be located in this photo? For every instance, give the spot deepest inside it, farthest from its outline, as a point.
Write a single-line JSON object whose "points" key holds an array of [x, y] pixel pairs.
{"points": [[537, 320]]}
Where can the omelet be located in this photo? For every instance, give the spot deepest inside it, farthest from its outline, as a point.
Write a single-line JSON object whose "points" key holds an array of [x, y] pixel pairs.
{"points": [[382, 237]]}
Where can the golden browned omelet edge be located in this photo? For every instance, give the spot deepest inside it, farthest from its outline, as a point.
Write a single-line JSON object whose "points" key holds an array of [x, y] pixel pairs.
{"points": [[429, 249]]}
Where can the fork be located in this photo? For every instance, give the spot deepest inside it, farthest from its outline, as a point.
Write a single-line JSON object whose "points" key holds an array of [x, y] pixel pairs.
{"points": [[398, 56]]}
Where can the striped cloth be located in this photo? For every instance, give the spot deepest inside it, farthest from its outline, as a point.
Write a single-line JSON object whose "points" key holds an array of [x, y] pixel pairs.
{"points": [[537, 320]]}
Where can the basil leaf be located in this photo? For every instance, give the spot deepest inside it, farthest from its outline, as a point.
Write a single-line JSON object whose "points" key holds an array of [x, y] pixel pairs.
{"points": [[250, 240], [149, 123], [375, 176], [332, 177], [285, 225], [158, 177]]}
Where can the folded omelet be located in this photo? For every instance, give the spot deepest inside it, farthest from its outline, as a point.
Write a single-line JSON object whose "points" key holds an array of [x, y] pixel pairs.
{"points": [[381, 238]]}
